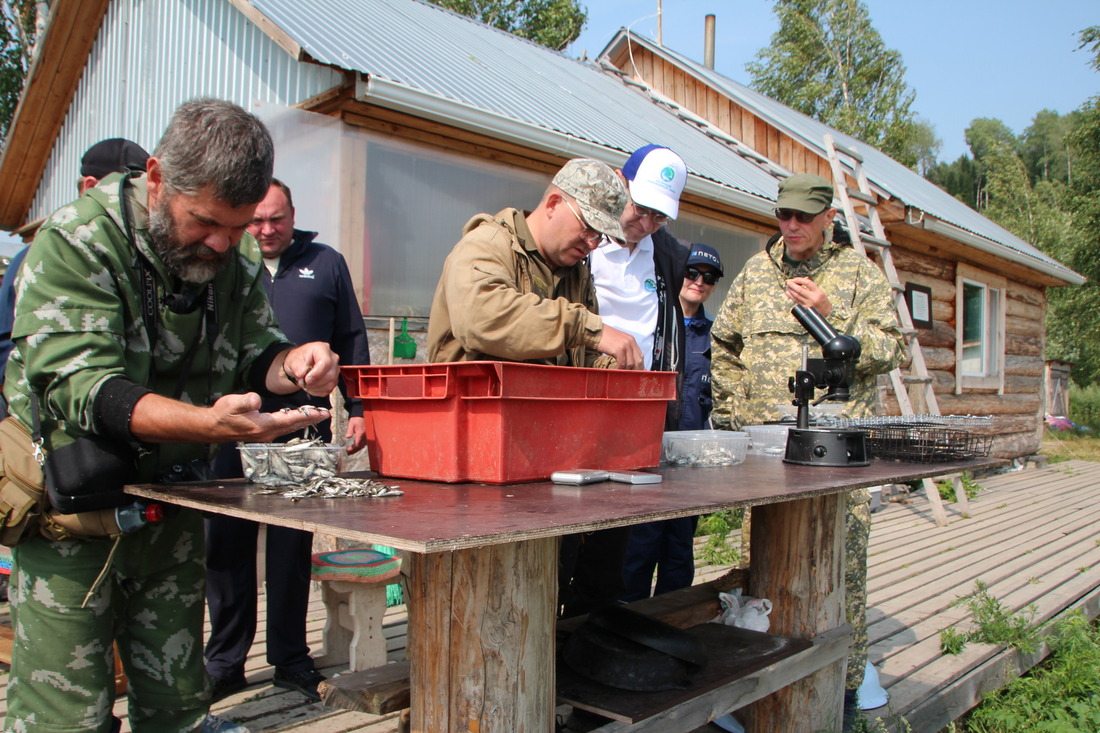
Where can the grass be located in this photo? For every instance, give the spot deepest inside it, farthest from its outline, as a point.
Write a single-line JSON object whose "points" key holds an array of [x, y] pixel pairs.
{"points": [[716, 528], [1067, 445], [1062, 695], [993, 624], [970, 486]]}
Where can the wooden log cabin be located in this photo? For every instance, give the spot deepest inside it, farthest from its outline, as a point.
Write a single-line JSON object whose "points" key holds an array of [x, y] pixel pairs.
{"points": [[984, 289], [396, 121]]}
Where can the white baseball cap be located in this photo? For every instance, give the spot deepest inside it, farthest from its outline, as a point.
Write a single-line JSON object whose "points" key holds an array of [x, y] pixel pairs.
{"points": [[656, 176]]}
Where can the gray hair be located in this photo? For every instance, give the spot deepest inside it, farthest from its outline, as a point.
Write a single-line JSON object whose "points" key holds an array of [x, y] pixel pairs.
{"points": [[211, 142]]}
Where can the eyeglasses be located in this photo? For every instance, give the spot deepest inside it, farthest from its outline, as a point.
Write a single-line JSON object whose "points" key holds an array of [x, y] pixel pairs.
{"points": [[802, 216], [693, 273], [643, 212], [589, 235]]}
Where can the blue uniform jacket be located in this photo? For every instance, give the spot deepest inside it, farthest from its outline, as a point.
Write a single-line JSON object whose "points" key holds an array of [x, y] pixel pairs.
{"points": [[695, 399], [314, 300]]}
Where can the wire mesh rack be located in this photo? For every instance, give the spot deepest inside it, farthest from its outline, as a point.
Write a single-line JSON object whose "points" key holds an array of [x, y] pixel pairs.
{"points": [[926, 444], [925, 438], [951, 421]]}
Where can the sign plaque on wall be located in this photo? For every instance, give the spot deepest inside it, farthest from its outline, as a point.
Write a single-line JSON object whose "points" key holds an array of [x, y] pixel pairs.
{"points": [[919, 300]]}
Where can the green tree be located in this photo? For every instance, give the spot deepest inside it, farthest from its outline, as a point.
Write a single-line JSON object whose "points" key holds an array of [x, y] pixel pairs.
{"points": [[1078, 307], [960, 179], [17, 35], [990, 140], [1090, 40], [1045, 149], [828, 62], [926, 146], [551, 23]]}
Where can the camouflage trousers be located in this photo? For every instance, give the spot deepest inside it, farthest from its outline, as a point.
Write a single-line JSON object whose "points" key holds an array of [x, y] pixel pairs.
{"points": [[856, 536], [150, 601], [857, 532]]}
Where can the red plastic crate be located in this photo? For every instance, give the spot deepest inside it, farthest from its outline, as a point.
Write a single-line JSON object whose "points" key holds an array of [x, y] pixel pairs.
{"points": [[505, 422]]}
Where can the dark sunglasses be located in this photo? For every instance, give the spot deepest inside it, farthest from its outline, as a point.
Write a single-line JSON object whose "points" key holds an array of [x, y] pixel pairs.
{"points": [[710, 278], [802, 216]]}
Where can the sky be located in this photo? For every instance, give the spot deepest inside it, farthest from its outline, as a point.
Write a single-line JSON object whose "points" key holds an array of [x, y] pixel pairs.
{"points": [[965, 59]]}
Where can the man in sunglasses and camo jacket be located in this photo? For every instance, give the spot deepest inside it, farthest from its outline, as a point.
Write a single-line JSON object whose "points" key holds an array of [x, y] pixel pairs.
{"points": [[757, 345]]}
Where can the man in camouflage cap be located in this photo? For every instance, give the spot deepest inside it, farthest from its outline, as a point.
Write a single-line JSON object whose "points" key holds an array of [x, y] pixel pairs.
{"points": [[757, 345], [158, 385], [516, 287]]}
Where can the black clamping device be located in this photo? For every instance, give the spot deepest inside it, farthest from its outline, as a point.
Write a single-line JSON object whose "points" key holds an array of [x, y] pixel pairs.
{"points": [[835, 373]]}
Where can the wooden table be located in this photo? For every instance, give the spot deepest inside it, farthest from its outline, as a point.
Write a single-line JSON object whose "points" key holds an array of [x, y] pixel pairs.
{"points": [[483, 578]]}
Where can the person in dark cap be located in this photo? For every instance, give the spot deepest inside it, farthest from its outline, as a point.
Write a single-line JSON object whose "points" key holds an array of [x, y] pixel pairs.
{"points": [[667, 546], [114, 155], [757, 346], [704, 269]]}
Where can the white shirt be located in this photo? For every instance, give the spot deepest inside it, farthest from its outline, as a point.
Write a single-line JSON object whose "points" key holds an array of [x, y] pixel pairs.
{"points": [[626, 288]]}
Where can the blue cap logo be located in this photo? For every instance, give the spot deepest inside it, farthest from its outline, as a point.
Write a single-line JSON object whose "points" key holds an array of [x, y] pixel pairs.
{"points": [[667, 174]]}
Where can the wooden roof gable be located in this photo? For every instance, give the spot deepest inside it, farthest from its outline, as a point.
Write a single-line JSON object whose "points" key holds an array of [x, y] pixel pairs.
{"points": [[63, 51]]}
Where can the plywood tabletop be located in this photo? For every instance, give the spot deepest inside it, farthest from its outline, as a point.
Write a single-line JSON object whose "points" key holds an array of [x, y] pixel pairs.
{"points": [[438, 517]]}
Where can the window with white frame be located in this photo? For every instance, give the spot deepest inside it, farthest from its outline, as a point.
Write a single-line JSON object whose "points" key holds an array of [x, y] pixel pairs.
{"points": [[979, 329]]}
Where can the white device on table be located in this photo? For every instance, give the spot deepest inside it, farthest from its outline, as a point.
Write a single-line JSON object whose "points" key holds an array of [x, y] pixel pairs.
{"points": [[579, 476], [635, 477]]}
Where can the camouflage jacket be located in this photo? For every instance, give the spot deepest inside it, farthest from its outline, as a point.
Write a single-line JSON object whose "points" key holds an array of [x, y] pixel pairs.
{"points": [[757, 343], [498, 299], [78, 323]]}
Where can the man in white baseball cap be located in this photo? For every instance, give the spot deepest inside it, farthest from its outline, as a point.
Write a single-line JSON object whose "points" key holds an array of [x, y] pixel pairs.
{"points": [[638, 280]]}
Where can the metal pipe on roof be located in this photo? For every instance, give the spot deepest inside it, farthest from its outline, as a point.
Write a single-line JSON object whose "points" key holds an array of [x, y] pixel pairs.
{"points": [[708, 41]]}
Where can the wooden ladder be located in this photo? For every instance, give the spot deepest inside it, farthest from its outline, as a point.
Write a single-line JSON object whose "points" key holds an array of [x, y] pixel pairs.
{"points": [[878, 244]]}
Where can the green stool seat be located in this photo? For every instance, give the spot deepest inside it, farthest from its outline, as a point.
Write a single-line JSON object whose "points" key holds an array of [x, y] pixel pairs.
{"points": [[353, 587], [356, 566]]}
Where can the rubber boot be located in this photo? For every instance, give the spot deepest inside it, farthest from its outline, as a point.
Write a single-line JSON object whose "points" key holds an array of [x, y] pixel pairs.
{"points": [[851, 710]]}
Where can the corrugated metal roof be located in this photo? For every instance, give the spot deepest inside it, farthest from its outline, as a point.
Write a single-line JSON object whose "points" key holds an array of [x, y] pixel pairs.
{"points": [[883, 171], [442, 58], [150, 57]]}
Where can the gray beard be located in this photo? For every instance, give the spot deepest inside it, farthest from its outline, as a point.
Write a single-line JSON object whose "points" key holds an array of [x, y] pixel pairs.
{"points": [[185, 261]]}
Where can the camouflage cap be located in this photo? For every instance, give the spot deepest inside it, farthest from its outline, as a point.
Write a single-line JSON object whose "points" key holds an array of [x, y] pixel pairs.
{"points": [[805, 192], [599, 192]]}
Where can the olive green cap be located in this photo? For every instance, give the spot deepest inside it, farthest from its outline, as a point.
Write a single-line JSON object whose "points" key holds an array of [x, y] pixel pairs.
{"points": [[805, 192]]}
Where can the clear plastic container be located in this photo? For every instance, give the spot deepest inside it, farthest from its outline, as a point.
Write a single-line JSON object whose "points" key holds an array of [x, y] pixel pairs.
{"points": [[704, 447], [282, 464], [768, 440]]}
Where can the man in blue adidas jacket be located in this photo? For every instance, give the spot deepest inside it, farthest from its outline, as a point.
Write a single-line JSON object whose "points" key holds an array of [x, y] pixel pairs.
{"points": [[311, 292]]}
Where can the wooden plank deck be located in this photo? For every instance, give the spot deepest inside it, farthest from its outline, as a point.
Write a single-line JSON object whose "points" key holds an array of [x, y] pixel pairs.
{"points": [[1033, 537]]}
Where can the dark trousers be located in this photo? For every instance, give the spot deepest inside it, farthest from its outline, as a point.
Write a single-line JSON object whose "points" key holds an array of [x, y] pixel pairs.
{"points": [[667, 546], [590, 570], [231, 595]]}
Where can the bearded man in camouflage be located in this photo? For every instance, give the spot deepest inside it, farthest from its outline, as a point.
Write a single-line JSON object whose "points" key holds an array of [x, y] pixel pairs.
{"points": [[757, 345], [161, 381]]}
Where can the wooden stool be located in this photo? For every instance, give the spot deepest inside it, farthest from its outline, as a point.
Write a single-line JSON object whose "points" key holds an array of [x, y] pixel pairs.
{"points": [[354, 591]]}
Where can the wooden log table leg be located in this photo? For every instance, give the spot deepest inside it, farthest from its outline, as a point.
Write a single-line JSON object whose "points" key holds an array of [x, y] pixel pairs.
{"points": [[481, 638], [798, 564]]}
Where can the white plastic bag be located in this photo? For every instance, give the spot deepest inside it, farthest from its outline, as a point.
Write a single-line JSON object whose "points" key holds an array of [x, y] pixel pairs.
{"points": [[743, 611]]}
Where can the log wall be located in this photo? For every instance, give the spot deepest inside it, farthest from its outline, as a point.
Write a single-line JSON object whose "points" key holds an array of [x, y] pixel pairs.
{"points": [[1018, 409]]}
